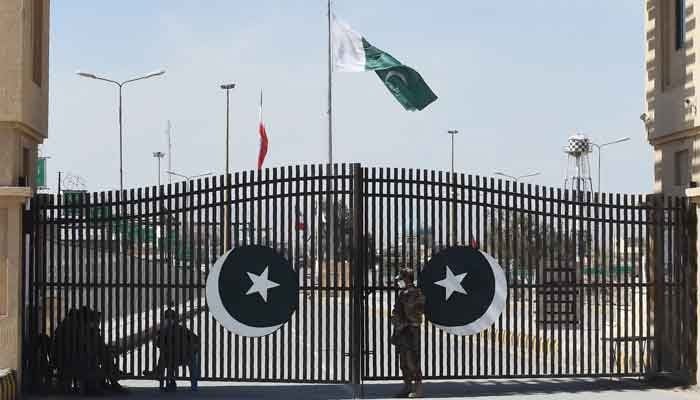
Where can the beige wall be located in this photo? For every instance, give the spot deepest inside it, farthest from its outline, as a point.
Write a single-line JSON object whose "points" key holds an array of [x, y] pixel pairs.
{"points": [[11, 200], [671, 80], [22, 101], [23, 125]]}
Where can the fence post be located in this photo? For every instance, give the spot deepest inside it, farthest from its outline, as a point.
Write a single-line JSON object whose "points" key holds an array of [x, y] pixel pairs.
{"points": [[358, 272], [692, 325], [693, 195], [656, 279]]}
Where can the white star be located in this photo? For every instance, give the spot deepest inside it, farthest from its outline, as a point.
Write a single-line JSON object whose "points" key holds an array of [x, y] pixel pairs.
{"points": [[452, 283], [261, 284]]}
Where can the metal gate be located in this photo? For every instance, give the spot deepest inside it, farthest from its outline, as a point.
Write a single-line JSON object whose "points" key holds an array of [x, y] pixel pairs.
{"points": [[599, 285]]}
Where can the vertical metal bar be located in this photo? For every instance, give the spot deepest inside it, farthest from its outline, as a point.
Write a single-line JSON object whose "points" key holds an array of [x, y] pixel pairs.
{"points": [[148, 303], [627, 271], [358, 272], [309, 267], [443, 240], [524, 215], [618, 280], [590, 245], [333, 258], [690, 214], [612, 205], [377, 367], [641, 281], [550, 292], [673, 290], [435, 245], [572, 265], [479, 201], [209, 256], [385, 357], [316, 251], [465, 235], [532, 261], [494, 248], [501, 249], [344, 279]]}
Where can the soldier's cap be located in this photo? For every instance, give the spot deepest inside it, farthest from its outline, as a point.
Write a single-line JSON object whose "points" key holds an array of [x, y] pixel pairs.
{"points": [[404, 274]]}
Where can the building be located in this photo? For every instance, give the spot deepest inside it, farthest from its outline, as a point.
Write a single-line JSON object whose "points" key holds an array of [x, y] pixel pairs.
{"points": [[671, 118], [24, 94]]}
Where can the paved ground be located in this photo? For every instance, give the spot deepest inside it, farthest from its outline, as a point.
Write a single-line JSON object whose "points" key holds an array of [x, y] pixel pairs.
{"points": [[483, 390]]}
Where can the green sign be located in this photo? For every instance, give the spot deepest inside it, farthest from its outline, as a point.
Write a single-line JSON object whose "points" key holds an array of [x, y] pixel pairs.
{"points": [[41, 173]]}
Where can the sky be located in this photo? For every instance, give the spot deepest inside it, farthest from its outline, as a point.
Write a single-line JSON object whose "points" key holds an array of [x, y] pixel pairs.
{"points": [[516, 78]]}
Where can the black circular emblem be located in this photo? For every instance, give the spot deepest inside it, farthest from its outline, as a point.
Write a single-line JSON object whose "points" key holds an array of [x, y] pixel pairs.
{"points": [[465, 290], [252, 290]]}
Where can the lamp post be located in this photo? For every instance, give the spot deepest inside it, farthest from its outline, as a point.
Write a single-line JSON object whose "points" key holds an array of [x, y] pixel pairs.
{"points": [[158, 155], [120, 85], [452, 134], [227, 87], [600, 148], [516, 178], [227, 213]]}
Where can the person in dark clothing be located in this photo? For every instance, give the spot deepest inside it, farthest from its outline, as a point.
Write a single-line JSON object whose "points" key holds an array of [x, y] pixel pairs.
{"points": [[82, 358], [178, 346], [406, 318]]}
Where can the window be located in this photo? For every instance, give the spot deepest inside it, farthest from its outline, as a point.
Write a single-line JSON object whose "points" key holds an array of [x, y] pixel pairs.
{"points": [[681, 169], [680, 24], [26, 168], [38, 40]]}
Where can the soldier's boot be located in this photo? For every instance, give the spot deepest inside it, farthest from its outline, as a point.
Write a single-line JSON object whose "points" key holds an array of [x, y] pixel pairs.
{"points": [[417, 390]]}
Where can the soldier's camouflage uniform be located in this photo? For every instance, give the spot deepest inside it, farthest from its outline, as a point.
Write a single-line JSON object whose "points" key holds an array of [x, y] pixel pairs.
{"points": [[407, 317]]}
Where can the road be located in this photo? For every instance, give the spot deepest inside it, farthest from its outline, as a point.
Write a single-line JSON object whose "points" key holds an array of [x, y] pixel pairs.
{"points": [[483, 390]]}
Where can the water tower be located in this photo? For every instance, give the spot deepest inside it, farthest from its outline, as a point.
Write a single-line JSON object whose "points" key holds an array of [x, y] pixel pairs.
{"points": [[578, 165]]}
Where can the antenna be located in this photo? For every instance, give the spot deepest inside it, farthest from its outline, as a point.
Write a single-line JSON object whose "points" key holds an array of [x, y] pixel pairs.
{"points": [[168, 131]]}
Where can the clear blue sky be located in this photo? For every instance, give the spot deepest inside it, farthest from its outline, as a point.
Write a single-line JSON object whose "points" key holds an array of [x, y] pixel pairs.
{"points": [[515, 77]]}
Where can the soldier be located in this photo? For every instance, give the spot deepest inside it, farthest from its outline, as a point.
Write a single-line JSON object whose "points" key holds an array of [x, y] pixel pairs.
{"points": [[406, 317]]}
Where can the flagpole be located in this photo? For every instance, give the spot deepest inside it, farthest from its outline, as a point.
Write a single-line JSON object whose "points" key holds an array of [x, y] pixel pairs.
{"points": [[330, 91]]}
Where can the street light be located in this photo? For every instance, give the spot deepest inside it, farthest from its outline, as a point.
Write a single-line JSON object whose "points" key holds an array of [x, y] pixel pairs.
{"points": [[158, 155], [120, 85], [452, 134], [516, 178], [600, 147], [227, 87]]}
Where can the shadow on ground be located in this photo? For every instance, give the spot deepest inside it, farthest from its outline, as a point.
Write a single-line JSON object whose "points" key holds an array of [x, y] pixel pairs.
{"points": [[470, 389]]}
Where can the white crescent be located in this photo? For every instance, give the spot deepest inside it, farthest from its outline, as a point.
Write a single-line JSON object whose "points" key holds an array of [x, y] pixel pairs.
{"points": [[498, 304], [220, 313], [397, 74]]}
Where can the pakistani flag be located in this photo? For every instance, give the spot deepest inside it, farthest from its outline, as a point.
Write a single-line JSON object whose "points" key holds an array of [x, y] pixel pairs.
{"points": [[353, 53]]}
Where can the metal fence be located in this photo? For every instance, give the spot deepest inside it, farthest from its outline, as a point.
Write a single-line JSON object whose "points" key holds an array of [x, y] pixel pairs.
{"points": [[599, 285]]}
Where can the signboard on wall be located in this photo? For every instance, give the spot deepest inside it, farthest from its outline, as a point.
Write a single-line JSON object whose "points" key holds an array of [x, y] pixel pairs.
{"points": [[41, 173]]}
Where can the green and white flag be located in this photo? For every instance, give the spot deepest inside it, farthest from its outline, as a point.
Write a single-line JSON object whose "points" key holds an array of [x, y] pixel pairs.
{"points": [[353, 53]]}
